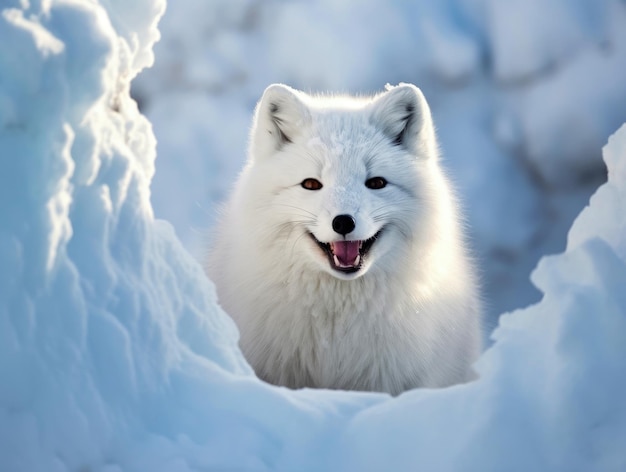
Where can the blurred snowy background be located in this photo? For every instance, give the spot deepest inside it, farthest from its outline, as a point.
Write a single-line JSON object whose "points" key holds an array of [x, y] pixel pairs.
{"points": [[524, 94]]}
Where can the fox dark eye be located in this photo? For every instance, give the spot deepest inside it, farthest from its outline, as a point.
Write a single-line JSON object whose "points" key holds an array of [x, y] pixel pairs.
{"points": [[376, 183], [311, 184]]}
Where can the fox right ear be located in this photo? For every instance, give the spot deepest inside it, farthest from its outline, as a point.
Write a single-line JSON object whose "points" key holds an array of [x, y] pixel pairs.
{"points": [[279, 118]]}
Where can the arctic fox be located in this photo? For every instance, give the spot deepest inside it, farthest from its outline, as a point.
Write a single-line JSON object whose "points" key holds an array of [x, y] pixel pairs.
{"points": [[340, 254]]}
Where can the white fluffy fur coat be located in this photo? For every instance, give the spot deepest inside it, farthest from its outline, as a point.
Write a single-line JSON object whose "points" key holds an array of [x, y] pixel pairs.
{"points": [[408, 314]]}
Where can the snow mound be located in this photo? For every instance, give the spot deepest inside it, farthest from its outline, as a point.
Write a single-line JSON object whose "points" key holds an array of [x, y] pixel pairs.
{"points": [[114, 355]]}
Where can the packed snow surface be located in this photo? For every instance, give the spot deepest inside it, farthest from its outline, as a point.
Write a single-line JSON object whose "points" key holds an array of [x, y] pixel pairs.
{"points": [[114, 355]]}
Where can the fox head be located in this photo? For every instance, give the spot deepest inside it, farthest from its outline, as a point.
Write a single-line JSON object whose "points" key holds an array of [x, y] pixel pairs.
{"points": [[342, 182]]}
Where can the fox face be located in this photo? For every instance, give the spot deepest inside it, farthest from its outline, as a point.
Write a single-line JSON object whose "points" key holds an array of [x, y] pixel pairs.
{"points": [[346, 184]]}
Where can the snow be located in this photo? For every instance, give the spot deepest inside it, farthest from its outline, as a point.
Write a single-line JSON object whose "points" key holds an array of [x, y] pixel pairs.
{"points": [[114, 355], [524, 94]]}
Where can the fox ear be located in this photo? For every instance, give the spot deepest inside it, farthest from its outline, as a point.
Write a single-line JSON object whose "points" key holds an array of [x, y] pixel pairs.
{"points": [[279, 118], [404, 116]]}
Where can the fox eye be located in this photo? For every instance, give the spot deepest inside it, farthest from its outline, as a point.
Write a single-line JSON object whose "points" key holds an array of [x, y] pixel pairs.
{"points": [[311, 184], [376, 183]]}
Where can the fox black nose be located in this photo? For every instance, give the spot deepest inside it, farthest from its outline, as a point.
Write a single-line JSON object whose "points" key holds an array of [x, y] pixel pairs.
{"points": [[343, 224]]}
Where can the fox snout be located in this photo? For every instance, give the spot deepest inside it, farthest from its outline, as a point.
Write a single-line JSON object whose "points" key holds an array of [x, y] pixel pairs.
{"points": [[343, 224]]}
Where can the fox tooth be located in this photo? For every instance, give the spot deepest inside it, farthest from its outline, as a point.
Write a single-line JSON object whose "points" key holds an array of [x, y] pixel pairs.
{"points": [[336, 261], [357, 261]]}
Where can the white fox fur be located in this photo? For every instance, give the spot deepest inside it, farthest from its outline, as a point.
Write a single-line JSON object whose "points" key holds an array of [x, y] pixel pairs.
{"points": [[404, 314]]}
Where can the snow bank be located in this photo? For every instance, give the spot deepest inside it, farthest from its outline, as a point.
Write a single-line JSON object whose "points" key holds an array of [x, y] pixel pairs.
{"points": [[115, 357]]}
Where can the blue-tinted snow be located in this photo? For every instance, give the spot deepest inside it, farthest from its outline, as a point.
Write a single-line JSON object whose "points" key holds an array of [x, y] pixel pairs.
{"points": [[524, 95]]}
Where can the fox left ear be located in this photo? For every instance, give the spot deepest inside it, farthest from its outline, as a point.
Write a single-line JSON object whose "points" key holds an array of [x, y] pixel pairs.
{"points": [[280, 117], [404, 116]]}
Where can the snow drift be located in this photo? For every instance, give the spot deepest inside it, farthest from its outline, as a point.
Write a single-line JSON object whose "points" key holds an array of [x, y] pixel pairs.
{"points": [[114, 355]]}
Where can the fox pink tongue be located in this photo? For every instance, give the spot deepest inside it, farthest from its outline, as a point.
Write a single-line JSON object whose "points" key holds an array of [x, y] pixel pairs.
{"points": [[346, 251]]}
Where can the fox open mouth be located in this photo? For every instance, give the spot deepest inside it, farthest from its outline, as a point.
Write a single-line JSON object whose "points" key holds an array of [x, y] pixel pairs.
{"points": [[346, 256]]}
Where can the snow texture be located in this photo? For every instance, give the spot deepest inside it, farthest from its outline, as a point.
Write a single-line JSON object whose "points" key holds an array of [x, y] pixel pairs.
{"points": [[114, 355], [524, 94]]}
